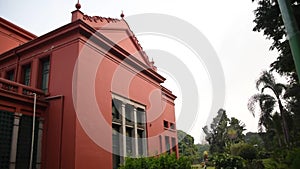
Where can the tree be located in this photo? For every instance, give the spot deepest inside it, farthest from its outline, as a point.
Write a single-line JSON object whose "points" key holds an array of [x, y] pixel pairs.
{"points": [[268, 20], [247, 151], [267, 103], [223, 132], [216, 135], [235, 130], [201, 148], [186, 144], [254, 139]]}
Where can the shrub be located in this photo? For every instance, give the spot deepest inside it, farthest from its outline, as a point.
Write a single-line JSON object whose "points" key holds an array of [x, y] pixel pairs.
{"points": [[161, 162], [293, 159], [255, 164], [246, 151], [227, 161]]}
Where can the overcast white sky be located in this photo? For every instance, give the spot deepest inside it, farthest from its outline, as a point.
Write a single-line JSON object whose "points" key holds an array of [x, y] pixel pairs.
{"points": [[227, 25]]}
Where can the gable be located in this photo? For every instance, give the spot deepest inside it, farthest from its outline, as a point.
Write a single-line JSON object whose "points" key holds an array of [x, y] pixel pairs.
{"points": [[118, 31], [128, 42]]}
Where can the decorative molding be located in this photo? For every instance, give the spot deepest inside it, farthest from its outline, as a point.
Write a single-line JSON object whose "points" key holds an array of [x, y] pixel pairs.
{"points": [[99, 19]]}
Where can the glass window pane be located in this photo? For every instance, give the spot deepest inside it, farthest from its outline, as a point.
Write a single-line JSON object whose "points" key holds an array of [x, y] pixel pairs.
{"points": [[26, 75], [45, 74]]}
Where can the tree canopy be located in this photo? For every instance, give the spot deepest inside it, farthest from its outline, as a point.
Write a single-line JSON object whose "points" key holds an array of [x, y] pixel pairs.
{"points": [[223, 132], [269, 21]]}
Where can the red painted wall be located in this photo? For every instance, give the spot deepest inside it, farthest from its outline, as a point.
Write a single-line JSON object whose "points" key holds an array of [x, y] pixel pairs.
{"points": [[83, 138]]}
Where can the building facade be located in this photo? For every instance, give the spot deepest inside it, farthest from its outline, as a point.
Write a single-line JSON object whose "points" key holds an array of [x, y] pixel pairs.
{"points": [[99, 98]]}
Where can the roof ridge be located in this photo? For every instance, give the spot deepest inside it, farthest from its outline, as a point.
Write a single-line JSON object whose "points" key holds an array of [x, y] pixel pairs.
{"points": [[100, 18]]}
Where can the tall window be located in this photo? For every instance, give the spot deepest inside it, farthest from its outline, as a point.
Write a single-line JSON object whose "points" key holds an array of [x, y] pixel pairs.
{"points": [[116, 146], [140, 114], [116, 110], [129, 136], [26, 71], [141, 137], [167, 143], [129, 147], [20, 151], [6, 129], [24, 142], [10, 75], [45, 63], [173, 145], [160, 144], [129, 113]]}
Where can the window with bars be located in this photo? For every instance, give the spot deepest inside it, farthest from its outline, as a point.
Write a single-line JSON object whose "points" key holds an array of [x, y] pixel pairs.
{"points": [[6, 130], [24, 142], [22, 149]]}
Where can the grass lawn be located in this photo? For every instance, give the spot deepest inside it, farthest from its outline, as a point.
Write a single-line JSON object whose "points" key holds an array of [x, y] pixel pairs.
{"points": [[198, 166]]}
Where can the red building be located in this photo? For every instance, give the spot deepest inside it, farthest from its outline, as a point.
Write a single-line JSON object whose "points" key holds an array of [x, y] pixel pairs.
{"points": [[99, 98]]}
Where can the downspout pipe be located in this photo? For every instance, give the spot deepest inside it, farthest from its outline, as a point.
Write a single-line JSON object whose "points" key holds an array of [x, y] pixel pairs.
{"points": [[292, 30]]}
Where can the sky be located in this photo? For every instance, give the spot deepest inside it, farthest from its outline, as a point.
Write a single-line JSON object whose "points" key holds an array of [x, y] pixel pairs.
{"points": [[227, 25]]}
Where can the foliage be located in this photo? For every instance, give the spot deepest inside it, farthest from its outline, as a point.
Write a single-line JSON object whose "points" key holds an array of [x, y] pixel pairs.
{"points": [[187, 147], [186, 144], [216, 136], [246, 151], [223, 132], [268, 20], [161, 162], [227, 161], [201, 148], [254, 139], [293, 159], [257, 164], [273, 164], [268, 103]]}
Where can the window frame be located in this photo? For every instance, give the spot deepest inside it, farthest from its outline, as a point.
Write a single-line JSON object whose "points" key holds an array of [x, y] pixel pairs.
{"points": [[44, 74], [24, 75], [8, 74]]}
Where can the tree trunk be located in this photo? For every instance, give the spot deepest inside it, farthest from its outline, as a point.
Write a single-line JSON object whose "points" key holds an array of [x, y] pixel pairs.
{"points": [[284, 124]]}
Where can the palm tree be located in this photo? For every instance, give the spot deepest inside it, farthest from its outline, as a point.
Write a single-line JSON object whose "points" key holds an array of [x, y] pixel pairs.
{"points": [[268, 102]]}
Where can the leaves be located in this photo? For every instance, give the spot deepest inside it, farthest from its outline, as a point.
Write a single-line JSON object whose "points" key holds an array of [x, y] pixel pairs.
{"points": [[223, 132], [161, 162], [269, 21]]}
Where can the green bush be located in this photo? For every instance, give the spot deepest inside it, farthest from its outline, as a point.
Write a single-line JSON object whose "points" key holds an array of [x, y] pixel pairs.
{"points": [[293, 159], [246, 151], [227, 161], [271, 163], [161, 162], [255, 164], [263, 155]]}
